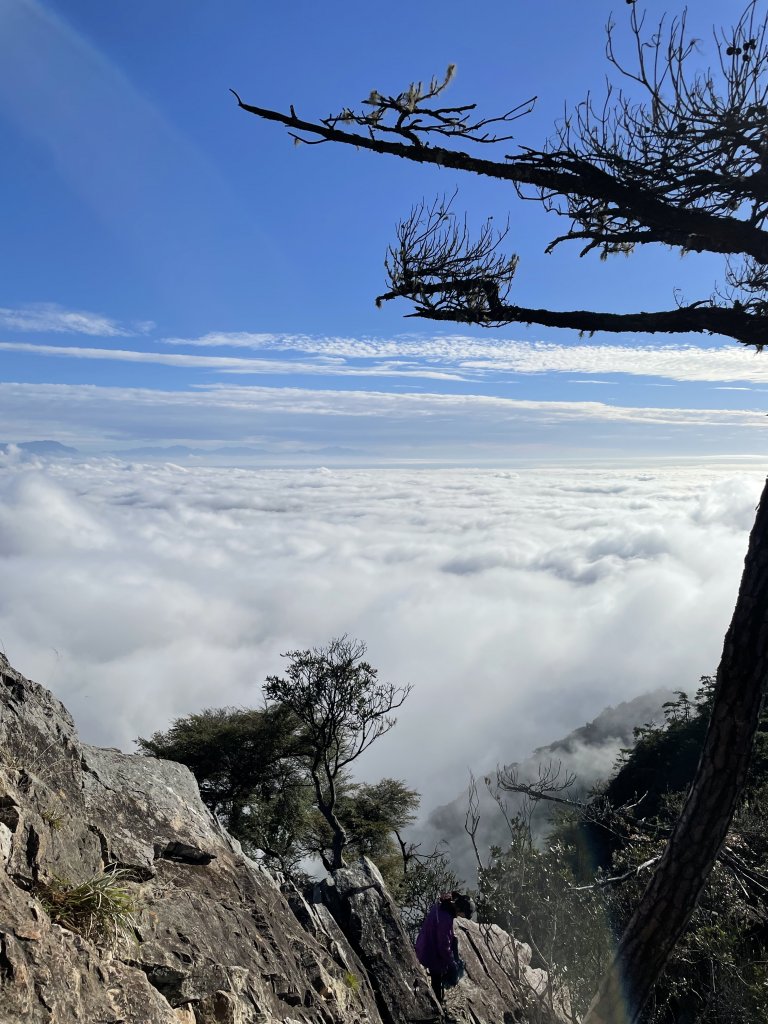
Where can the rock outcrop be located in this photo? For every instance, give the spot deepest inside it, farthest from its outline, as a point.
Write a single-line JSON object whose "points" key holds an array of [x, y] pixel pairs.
{"points": [[500, 986], [210, 936], [366, 913], [214, 938]]}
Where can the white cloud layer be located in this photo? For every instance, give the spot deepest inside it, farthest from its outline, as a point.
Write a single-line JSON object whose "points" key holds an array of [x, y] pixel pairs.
{"points": [[519, 603], [224, 364]]}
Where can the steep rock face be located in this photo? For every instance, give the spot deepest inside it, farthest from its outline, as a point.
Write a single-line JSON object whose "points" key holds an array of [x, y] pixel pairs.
{"points": [[499, 987], [214, 938], [365, 912]]}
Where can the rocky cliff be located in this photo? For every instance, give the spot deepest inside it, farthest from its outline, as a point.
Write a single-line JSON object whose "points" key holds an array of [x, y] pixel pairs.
{"points": [[124, 901]]}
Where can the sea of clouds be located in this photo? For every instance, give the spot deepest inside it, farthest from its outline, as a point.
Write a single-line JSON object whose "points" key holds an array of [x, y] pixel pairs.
{"points": [[518, 602]]}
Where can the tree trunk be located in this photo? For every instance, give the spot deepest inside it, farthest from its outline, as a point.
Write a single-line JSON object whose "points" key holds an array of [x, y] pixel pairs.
{"points": [[337, 848], [327, 809], [672, 894]]}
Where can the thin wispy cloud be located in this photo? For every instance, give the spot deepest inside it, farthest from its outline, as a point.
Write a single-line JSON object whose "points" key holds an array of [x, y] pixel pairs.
{"points": [[377, 425], [49, 318], [230, 364], [466, 395], [455, 359], [472, 355], [675, 362], [374, 404]]}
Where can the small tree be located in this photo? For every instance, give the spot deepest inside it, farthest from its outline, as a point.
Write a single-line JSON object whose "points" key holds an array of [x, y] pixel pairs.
{"points": [[343, 709], [375, 813], [252, 770], [372, 815]]}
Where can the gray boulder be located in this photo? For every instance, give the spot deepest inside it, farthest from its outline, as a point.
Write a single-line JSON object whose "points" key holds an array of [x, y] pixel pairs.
{"points": [[500, 986]]}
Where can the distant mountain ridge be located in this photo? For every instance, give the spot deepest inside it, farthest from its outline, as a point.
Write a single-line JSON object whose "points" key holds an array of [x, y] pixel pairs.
{"points": [[54, 449], [612, 724], [49, 448], [589, 752]]}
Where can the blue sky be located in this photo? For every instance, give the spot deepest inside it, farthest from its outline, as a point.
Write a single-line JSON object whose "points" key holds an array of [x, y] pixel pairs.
{"points": [[175, 271]]}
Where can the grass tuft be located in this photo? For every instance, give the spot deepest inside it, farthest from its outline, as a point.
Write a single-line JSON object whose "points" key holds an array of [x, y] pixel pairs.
{"points": [[101, 908]]}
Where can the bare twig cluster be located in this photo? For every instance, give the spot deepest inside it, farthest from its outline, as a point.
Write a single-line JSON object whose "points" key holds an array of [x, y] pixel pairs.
{"points": [[413, 116], [443, 269], [671, 154], [693, 139]]}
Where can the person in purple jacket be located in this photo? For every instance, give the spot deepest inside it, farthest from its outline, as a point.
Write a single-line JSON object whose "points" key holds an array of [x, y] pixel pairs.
{"points": [[437, 948]]}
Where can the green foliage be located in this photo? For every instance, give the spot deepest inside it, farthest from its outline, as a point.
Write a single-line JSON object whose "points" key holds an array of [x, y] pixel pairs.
{"points": [[570, 899], [664, 757], [249, 766], [533, 894], [278, 776], [280, 826], [717, 974], [231, 752], [101, 908], [370, 814], [54, 818], [419, 881]]}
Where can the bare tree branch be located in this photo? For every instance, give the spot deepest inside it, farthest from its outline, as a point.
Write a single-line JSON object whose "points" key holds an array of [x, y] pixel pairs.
{"points": [[450, 276], [472, 818], [601, 883]]}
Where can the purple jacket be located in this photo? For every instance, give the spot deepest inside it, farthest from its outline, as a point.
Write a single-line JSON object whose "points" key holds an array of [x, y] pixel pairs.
{"points": [[435, 944]]}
